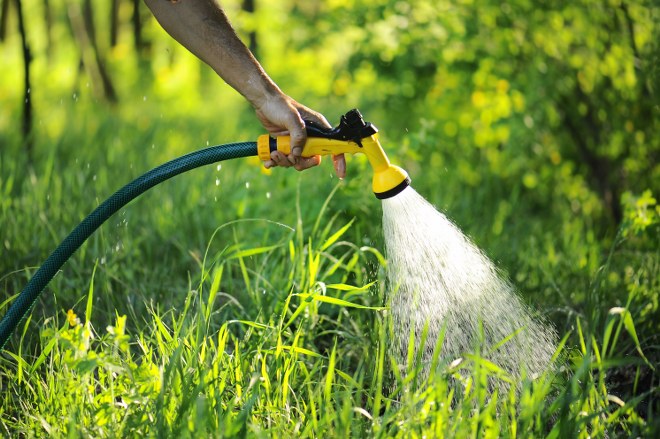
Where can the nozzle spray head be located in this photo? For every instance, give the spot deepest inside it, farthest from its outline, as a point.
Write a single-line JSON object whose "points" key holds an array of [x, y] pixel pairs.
{"points": [[352, 135]]}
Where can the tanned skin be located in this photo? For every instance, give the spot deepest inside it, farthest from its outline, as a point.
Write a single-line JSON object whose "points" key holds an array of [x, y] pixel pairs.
{"points": [[202, 27]]}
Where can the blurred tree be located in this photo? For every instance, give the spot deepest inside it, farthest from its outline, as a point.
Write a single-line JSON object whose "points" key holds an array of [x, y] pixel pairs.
{"points": [[84, 31], [556, 97], [114, 22], [136, 19], [249, 7], [4, 13], [537, 90], [27, 96], [48, 25]]}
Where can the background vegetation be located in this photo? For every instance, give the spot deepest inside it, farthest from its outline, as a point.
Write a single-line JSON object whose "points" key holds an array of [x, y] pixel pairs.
{"points": [[219, 303]]}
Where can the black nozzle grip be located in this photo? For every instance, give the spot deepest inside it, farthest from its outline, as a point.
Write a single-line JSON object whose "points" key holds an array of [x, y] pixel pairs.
{"points": [[352, 127], [315, 129]]}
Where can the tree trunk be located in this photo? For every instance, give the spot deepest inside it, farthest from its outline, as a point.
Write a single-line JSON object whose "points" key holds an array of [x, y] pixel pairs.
{"points": [[137, 27], [4, 12], [114, 22], [83, 30], [249, 6], [27, 101], [48, 21]]}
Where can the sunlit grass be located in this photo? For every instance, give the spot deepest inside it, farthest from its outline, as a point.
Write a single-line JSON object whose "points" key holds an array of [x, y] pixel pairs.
{"points": [[290, 338], [229, 302]]}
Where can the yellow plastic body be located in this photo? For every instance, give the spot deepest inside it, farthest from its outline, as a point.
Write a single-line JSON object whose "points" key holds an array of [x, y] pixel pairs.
{"points": [[386, 175]]}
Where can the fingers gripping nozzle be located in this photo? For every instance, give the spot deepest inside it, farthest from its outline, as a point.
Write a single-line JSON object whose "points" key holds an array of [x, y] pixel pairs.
{"points": [[352, 135]]}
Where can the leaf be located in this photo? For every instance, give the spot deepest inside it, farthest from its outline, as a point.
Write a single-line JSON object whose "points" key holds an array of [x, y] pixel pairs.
{"points": [[583, 346], [213, 292], [331, 240], [296, 313], [90, 296], [340, 302], [313, 264], [329, 377], [609, 325], [44, 353], [560, 347], [630, 327], [347, 377], [381, 259], [491, 367], [300, 350], [506, 339], [345, 287], [292, 251], [252, 251], [252, 324]]}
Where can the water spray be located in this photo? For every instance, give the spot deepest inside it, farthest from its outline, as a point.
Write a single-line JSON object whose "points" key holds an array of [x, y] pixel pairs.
{"points": [[352, 135]]}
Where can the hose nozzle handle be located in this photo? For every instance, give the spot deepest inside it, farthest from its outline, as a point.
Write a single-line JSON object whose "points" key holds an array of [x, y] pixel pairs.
{"points": [[352, 135], [352, 127]]}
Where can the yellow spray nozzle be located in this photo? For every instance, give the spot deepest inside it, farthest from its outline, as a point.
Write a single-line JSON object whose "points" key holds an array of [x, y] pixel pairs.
{"points": [[352, 136]]}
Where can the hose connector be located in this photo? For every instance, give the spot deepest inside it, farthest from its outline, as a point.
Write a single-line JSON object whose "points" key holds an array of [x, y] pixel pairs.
{"points": [[353, 135]]}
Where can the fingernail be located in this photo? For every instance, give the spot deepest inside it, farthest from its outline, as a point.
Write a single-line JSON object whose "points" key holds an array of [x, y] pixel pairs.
{"points": [[297, 151], [268, 164], [340, 170]]}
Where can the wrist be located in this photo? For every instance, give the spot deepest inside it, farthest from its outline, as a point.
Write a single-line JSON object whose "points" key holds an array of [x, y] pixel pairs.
{"points": [[260, 89]]}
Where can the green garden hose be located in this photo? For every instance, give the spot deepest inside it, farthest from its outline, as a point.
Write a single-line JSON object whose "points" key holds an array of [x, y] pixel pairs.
{"points": [[119, 199], [352, 135]]}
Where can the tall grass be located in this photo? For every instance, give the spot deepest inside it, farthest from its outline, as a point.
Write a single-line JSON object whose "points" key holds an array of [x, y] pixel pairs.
{"points": [[290, 338]]}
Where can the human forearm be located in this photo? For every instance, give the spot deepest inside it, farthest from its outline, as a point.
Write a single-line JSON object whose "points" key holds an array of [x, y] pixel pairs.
{"points": [[203, 28]]}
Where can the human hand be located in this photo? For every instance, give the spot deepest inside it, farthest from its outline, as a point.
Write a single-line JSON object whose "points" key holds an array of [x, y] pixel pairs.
{"points": [[281, 116]]}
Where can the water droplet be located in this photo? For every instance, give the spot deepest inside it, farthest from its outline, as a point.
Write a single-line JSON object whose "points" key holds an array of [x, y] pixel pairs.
{"points": [[103, 260], [268, 195], [144, 98], [218, 167], [207, 143], [217, 182], [94, 177], [247, 185], [153, 146]]}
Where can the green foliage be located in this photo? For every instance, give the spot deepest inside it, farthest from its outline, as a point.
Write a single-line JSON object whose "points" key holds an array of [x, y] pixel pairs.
{"points": [[194, 372], [640, 212], [242, 302]]}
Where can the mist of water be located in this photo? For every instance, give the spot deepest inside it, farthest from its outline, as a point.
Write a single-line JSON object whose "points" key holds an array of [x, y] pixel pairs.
{"points": [[438, 277]]}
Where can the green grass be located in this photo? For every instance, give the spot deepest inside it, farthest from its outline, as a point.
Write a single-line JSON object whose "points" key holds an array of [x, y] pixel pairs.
{"points": [[257, 306], [286, 339]]}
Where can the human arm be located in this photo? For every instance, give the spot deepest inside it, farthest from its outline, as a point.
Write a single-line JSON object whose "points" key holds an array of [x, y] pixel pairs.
{"points": [[203, 28]]}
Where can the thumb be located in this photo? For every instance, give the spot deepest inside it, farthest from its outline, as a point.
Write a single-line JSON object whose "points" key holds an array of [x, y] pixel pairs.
{"points": [[296, 128]]}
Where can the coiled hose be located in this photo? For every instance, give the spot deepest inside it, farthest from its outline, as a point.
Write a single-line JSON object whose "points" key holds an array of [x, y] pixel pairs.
{"points": [[119, 199]]}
